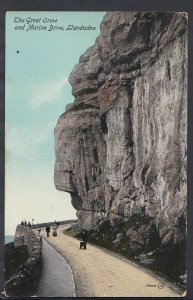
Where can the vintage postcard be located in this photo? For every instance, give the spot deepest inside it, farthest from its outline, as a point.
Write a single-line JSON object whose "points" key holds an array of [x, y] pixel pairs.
{"points": [[96, 144]]}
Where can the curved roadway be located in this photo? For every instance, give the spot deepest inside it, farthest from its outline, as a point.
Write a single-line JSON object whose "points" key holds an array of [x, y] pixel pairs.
{"points": [[99, 273], [56, 277]]}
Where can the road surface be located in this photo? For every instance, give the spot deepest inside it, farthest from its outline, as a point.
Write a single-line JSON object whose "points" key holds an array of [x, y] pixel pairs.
{"points": [[56, 278], [99, 273]]}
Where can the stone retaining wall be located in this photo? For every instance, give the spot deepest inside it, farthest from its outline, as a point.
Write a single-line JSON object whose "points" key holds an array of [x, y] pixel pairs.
{"points": [[24, 281]]}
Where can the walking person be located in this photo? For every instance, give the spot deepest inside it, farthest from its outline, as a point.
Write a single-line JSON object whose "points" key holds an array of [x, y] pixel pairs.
{"points": [[55, 230], [84, 238], [48, 230], [84, 235], [39, 235]]}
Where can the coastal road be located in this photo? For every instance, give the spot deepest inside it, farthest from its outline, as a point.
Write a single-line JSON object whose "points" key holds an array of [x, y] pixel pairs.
{"points": [[56, 278], [99, 273]]}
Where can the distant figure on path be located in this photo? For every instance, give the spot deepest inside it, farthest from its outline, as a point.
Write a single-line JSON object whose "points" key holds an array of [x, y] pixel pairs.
{"points": [[84, 235], [55, 230], [29, 224], [25, 223], [39, 235], [22, 223], [84, 238], [48, 231]]}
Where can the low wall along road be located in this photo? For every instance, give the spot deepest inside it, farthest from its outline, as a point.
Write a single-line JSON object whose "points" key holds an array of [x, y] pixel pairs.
{"points": [[25, 280]]}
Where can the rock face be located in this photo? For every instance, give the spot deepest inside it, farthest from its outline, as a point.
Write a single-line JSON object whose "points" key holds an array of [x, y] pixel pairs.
{"points": [[24, 281], [121, 146]]}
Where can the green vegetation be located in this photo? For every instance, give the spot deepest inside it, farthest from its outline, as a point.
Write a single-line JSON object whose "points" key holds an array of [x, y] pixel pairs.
{"points": [[73, 232], [104, 237], [14, 258]]}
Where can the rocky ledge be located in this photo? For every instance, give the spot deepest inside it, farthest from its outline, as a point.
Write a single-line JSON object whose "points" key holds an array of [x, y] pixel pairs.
{"points": [[121, 146], [24, 280]]}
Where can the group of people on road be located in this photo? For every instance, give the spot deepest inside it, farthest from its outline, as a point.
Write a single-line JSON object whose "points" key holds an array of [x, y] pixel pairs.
{"points": [[25, 223], [48, 229], [83, 234]]}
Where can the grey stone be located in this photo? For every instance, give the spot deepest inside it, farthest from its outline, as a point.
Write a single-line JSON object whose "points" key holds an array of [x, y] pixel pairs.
{"points": [[130, 232], [119, 236], [18, 284], [147, 261], [121, 146]]}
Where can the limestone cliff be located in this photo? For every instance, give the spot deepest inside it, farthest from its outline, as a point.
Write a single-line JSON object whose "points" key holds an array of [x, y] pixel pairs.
{"points": [[121, 146]]}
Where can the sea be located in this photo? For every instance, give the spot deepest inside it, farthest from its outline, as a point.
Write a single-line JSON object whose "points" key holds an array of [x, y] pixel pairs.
{"points": [[9, 238]]}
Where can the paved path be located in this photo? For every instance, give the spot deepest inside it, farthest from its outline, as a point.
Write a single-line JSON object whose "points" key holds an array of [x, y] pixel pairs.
{"points": [[98, 273], [56, 278]]}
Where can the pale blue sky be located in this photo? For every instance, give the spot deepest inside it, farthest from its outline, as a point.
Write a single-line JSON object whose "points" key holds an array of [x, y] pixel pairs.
{"points": [[37, 91]]}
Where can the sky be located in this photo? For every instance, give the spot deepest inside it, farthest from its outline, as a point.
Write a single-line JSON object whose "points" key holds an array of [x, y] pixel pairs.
{"points": [[38, 64]]}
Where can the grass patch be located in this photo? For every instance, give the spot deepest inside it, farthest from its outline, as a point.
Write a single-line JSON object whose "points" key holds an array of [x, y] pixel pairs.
{"points": [[73, 232]]}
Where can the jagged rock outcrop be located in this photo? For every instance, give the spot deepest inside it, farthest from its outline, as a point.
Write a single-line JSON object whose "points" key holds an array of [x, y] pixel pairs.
{"points": [[25, 279], [121, 146]]}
